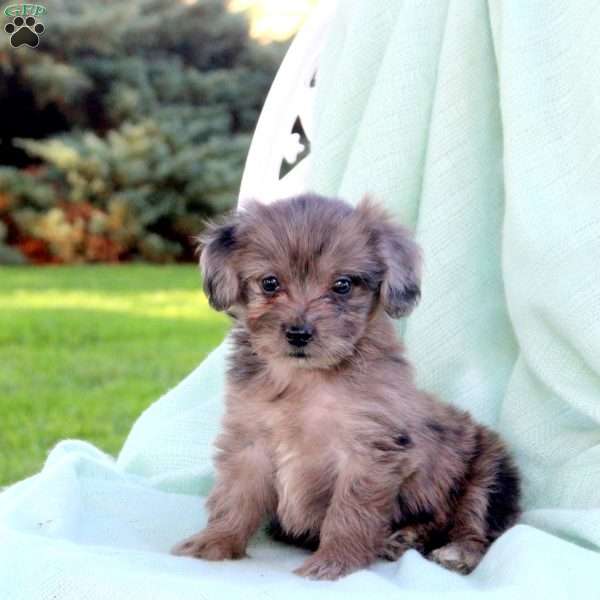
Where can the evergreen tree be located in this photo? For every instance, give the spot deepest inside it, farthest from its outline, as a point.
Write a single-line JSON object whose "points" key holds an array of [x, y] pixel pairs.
{"points": [[129, 123]]}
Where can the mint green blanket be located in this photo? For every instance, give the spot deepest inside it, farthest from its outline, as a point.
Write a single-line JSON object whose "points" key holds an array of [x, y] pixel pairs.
{"points": [[478, 123]]}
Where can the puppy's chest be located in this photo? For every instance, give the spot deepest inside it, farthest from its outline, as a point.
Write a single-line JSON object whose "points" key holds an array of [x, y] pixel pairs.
{"points": [[306, 422], [308, 443]]}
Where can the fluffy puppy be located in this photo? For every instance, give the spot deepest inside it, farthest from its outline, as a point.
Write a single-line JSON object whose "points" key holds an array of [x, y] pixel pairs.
{"points": [[325, 433]]}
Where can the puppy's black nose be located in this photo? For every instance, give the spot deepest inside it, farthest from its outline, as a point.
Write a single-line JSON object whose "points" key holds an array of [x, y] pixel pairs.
{"points": [[299, 335]]}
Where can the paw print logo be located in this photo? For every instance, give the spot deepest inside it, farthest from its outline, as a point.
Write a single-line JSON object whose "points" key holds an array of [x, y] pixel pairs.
{"points": [[24, 32]]}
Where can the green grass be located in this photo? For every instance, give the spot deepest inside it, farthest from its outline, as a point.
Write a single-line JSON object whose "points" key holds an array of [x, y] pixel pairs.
{"points": [[83, 350]]}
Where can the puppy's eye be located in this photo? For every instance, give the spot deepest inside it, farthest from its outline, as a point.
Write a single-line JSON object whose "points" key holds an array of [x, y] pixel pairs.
{"points": [[342, 286], [270, 284]]}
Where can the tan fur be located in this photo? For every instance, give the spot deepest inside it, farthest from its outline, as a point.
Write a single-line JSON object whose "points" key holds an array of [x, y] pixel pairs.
{"points": [[339, 446]]}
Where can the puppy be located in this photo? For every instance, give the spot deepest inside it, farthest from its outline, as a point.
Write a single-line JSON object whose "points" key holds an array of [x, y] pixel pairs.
{"points": [[325, 433]]}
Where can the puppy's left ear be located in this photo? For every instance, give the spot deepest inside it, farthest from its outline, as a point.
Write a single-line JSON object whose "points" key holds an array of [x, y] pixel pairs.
{"points": [[400, 288], [219, 277]]}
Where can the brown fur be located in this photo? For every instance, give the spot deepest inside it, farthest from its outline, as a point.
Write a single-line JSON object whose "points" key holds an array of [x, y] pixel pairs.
{"points": [[337, 446]]}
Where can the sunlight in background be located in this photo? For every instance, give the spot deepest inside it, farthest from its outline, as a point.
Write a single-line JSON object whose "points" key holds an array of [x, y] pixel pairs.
{"points": [[274, 20], [172, 304]]}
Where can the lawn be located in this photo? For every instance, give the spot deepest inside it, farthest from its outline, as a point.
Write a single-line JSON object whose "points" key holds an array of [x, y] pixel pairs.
{"points": [[84, 350]]}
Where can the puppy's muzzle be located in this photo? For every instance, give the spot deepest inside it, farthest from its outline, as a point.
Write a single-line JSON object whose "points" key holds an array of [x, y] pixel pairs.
{"points": [[299, 335]]}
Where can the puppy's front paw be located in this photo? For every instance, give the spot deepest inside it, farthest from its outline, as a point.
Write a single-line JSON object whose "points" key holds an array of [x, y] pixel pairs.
{"points": [[326, 567], [209, 547]]}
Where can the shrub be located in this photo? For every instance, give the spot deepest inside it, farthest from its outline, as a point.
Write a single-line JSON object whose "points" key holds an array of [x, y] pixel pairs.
{"points": [[134, 122]]}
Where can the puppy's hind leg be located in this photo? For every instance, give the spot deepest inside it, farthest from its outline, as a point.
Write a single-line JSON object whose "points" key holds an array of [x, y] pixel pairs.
{"points": [[487, 507], [407, 537]]}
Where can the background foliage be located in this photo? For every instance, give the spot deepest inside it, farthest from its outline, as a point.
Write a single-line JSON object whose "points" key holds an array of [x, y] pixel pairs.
{"points": [[125, 128]]}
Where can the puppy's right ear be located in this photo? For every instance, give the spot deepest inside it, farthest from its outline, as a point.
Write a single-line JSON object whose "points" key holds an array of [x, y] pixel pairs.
{"points": [[219, 278]]}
